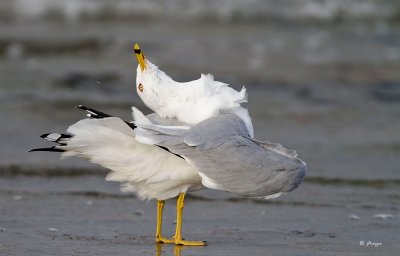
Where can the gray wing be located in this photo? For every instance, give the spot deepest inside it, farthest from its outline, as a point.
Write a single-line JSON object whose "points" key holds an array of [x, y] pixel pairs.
{"points": [[227, 159], [242, 166], [214, 131]]}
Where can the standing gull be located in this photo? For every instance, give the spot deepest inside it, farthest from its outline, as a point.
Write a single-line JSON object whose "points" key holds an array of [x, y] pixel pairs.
{"points": [[169, 154]]}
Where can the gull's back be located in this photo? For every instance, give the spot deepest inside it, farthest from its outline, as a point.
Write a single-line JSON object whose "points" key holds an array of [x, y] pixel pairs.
{"points": [[220, 149]]}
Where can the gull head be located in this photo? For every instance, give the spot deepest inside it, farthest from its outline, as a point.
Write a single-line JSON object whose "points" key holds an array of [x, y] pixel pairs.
{"points": [[188, 102], [151, 82]]}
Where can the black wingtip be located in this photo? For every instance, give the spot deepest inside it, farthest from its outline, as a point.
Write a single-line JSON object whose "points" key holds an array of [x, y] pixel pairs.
{"points": [[83, 107], [55, 137], [132, 125], [100, 115], [93, 113], [51, 149]]}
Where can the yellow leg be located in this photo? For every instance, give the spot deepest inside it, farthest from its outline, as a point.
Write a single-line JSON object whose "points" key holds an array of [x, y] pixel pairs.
{"points": [[178, 233], [159, 238]]}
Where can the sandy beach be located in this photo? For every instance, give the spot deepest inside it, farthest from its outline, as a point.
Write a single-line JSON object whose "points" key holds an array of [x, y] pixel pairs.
{"points": [[325, 85], [84, 215]]}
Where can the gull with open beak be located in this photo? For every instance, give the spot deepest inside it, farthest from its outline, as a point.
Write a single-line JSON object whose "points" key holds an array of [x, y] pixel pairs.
{"points": [[199, 137]]}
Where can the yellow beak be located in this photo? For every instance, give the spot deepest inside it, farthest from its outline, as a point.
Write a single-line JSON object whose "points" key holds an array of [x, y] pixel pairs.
{"points": [[140, 57]]}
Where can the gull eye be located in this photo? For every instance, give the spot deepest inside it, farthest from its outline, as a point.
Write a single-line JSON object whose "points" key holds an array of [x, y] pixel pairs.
{"points": [[140, 87]]}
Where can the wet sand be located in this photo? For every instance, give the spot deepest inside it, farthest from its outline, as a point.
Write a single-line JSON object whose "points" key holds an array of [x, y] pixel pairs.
{"points": [[329, 89], [85, 215]]}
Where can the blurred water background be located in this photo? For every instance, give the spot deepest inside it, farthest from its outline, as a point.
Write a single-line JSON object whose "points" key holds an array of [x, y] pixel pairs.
{"points": [[323, 77]]}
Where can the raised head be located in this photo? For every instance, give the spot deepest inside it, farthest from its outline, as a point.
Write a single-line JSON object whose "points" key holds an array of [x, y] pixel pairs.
{"points": [[151, 82]]}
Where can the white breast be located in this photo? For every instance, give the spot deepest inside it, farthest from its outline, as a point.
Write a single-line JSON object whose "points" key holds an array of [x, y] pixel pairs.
{"points": [[198, 100]]}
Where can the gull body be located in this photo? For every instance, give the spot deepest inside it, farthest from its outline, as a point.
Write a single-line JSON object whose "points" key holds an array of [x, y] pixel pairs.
{"points": [[200, 136]]}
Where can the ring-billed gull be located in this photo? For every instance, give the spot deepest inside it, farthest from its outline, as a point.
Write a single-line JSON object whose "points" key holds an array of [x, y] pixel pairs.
{"points": [[163, 169]]}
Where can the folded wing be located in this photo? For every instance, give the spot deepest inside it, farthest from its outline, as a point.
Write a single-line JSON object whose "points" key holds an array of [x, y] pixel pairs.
{"points": [[227, 159]]}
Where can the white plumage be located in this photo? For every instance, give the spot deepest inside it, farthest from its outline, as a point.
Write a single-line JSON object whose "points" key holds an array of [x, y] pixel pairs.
{"points": [[189, 102], [148, 171]]}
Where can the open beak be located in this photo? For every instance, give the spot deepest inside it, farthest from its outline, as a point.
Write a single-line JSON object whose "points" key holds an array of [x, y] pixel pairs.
{"points": [[140, 57]]}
